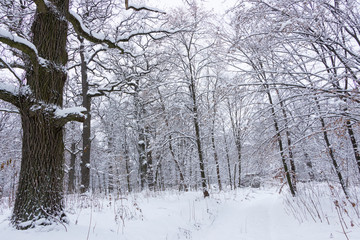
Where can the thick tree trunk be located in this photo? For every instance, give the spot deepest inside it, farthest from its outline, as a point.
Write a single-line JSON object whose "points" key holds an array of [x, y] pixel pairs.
{"points": [[42, 162], [40, 189]]}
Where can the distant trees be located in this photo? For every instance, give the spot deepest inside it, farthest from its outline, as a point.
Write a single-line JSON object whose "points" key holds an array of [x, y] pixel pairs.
{"points": [[275, 91], [305, 53]]}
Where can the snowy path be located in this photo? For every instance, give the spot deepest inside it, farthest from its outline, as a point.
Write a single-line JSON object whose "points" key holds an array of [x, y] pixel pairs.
{"points": [[262, 217], [244, 215]]}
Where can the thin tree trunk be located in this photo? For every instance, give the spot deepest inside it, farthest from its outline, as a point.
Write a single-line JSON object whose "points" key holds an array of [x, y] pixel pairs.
{"points": [[198, 142], [330, 149], [182, 185], [279, 139], [150, 169], [353, 143], [86, 148], [216, 159], [71, 185], [235, 176], [238, 148], [127, 165], [287, 133], [110, 179], [238, 143], [227, 159]]}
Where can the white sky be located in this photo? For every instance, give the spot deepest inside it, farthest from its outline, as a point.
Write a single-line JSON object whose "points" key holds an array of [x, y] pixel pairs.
{"points": [[218, 6]]}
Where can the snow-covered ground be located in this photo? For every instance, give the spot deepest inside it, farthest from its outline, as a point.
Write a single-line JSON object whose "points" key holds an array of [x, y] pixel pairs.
{"points": [[245, 214]]}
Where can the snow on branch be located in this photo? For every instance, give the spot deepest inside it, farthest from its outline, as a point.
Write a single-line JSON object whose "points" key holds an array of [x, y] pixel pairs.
{"points": [[83, 31], [62, 116], [9, 110], [117, 86], [28, 48], [9, 93], [141, 7], [19, 43], [59, 115]]}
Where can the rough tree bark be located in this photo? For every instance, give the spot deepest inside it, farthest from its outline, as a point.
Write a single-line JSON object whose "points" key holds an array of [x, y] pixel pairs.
{"points": [[43, 147]]}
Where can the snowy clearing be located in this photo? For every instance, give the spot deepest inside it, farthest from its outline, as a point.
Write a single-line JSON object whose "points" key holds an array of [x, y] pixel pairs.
{"points": [[247, 214]]}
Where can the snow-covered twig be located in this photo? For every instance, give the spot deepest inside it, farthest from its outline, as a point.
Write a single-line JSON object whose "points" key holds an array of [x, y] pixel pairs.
{"points": [[140, 8], [9, 111], [19, 43]]}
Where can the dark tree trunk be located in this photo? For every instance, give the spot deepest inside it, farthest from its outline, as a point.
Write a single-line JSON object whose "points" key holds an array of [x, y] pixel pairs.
{"points": [[182, 185], [288, 137], [71, 185], [353, 143], [238, 148], [198, 139], [280, 144], [150, 170], [127, 165], [40, 189], [330, 149], [86, 134], [142, 158], [110, 179], [42, 162], [236, 130], [216, 158], [227, 159]]}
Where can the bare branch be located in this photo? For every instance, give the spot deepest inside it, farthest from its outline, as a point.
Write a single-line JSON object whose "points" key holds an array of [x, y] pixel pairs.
{"points": [[10, 69]]}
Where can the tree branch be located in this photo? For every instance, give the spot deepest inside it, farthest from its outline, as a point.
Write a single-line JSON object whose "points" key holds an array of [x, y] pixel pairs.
{"points": [[41, 6], [9, 111], [10, 69], [63, 116], [9, 93], [19, 43], [83, 31], [139, 8]]}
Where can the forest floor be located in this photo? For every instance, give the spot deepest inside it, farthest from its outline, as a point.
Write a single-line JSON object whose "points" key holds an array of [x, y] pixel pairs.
{"points": [[244, 214]]}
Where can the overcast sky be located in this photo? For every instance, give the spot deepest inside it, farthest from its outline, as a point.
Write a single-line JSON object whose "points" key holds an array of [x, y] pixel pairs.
{"points": [[217, 5]]}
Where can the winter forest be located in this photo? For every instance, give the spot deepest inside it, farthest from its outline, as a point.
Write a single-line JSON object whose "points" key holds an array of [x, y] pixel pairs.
{"points": [[123, 120]]}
